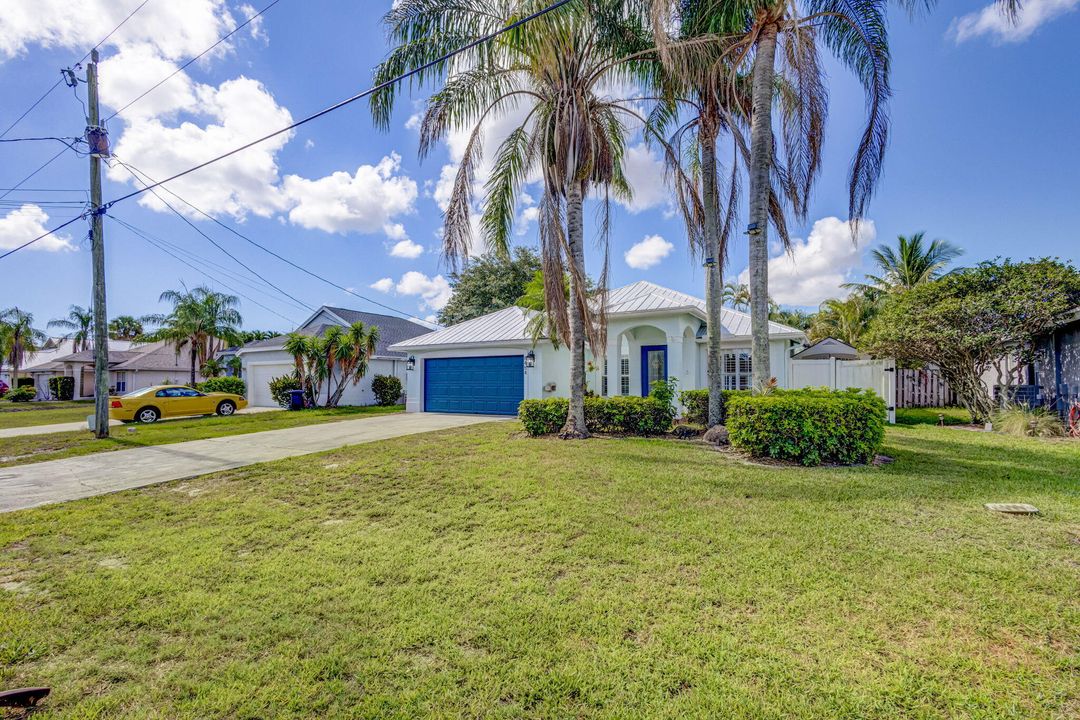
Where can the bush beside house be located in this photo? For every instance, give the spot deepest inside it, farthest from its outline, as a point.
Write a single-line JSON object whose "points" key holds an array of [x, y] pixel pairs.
{"points": [[387, 389], [23, 393], [225, 384], [809, 426], [619, 414], [280, 387], [62, 387], [696, 403]]}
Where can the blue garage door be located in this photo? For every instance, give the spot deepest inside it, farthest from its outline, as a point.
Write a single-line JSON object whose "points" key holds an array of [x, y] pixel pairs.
{"points": [[482, 385]]}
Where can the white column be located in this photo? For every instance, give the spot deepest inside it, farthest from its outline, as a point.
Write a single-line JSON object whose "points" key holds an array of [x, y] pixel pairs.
{"points": [[613, 363]]}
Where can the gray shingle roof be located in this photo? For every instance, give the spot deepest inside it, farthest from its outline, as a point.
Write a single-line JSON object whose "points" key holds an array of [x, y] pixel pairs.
{"points": [[391, 330]]}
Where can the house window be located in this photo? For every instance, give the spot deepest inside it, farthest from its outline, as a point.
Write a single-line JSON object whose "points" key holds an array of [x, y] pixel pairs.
{"points": [[121, 382], [737, 370], [603, 380]]}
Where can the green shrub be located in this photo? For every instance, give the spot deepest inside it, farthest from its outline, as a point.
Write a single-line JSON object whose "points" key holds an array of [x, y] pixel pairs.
{"points": [[225, 384], [809, 426], [280, 387], [23, 393], [62, 387], [387, 389], [619, 414], [696, 403]]}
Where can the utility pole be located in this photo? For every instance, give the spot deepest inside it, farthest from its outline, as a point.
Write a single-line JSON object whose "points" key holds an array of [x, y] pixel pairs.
{"points": [[99, 147]]}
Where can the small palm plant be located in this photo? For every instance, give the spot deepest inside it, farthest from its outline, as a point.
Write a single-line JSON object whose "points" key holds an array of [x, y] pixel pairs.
{"points": [[80, 323]]}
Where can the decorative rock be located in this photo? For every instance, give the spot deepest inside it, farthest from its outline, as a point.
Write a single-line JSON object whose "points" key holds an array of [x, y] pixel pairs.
{"points": [[685, 431], [1013, 508], [717, 435]]}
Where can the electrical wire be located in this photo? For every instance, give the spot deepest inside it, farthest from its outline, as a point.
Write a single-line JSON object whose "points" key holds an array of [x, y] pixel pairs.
{"points": [[183, 67], [44, 235], [337, 106], [202, 261], [267, 250], [212, 241], [57, 83], [138, 233], [46, 164]]}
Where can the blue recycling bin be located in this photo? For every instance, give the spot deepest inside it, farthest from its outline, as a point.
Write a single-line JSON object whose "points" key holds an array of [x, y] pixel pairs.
{"points": [[296, 399]]}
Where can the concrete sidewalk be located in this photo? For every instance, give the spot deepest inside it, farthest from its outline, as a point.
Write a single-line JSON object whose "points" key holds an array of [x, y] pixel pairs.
{"points": [[80, 477], [81, 425]]}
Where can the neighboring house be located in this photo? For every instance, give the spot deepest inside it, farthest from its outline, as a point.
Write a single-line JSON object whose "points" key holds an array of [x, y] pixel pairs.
{"points": [[264, 360], [488, 364], [826, 349], [1056, 371], [131, 367]]}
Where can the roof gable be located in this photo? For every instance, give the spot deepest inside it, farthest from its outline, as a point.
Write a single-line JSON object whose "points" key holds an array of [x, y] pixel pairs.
{"points": [[506, 325], [391, 329]]}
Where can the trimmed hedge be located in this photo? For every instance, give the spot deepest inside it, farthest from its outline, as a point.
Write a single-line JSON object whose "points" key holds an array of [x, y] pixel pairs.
{"points": [[225, 384], [23, 393], [696, 403], [619, 414], [809, 426], [387, 389], [62, 387]]}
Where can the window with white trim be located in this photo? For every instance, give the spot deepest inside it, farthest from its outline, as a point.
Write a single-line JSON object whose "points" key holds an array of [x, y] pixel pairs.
{"points": [[121, 381], [738, 374], [624, 367]]}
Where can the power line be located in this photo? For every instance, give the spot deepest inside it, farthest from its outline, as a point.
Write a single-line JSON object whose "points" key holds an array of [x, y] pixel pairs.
{"points": [[57, 83], [46, 164], [183, 67], [198, 259], [44, 235], [212, 241], [267, 250], [337, 106], [138, 233], [348, 101]]}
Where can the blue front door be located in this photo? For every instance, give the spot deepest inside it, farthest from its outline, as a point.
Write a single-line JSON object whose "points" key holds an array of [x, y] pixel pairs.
{"points": [[653, 366], [476, 385]]}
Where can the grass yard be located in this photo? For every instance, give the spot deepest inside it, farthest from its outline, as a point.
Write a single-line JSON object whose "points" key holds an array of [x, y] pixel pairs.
{"points": [[53, 446], [478, 573], [43, 413]]}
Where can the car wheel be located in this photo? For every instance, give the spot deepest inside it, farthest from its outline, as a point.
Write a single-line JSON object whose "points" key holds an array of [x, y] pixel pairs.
{"points": [[226, 408], [148, 415]]}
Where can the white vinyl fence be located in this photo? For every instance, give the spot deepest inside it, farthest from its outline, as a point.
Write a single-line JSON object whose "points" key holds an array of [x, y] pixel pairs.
{"points": [[876, 375]]}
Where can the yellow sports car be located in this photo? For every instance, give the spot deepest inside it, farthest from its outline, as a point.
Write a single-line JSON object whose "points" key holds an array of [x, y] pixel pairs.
{"points": [[152, 403]]}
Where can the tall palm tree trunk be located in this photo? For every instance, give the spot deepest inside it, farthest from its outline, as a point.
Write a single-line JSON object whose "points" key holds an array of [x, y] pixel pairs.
{"points": [[761, 149], [575, 236], [194, 360], [714, 276]]}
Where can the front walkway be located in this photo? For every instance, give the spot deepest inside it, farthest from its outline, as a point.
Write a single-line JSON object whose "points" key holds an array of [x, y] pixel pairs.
{"points": [[80, 477], [81, 425]]}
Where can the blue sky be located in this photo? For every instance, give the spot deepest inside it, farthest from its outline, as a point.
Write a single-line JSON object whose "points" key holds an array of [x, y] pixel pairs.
{"points": [[983, 152]]}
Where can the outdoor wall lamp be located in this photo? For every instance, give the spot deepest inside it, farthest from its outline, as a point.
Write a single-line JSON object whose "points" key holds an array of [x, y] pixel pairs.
{"points": [[753, 229], [710, 262], [530, 359], [410, 364]]}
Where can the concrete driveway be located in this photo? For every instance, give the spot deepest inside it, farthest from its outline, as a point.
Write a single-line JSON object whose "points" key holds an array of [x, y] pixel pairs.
{"points": [[81, 425], [80, 477]]}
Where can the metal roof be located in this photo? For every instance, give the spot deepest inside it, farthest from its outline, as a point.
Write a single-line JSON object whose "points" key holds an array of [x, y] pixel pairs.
{"points": [[506, 325], [641, 298]]}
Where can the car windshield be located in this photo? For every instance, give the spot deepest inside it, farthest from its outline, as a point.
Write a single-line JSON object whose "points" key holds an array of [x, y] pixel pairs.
{"points": [[137, 393]]}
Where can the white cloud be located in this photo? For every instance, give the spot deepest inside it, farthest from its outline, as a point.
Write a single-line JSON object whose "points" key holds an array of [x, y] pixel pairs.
{"points": [[26, 223], [383, 285], [407, 249], [991, 21], [308, 144], [644, 170], [648, 252], [413, 123], [817, 266], [364, 202], [255, 27], [434, 292]]}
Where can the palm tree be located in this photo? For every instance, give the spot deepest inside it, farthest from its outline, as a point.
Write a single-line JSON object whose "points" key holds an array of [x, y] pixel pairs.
{"points": [[80, 321], [559, 67], [125, 327], [201, 318], [856, 32], [19, 340], [798, 319], [352, 357], [737, 295], [212, 368], [304, 351], [541, 323], [844, 320], [910, 264]]}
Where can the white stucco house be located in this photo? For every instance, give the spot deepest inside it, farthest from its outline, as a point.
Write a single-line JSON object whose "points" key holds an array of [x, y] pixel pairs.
{"points": [[489, 364], [263, 360]]}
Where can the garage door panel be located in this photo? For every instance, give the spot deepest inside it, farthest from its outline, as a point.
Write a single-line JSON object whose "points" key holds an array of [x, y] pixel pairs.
{"points": [[493, 385]]}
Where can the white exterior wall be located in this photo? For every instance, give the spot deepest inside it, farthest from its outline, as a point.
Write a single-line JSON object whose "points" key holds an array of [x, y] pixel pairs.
{"points": [[551, 367], [261, 366]]}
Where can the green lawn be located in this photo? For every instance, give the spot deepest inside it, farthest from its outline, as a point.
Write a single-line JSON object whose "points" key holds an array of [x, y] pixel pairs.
{"points": [[43, 413], [52, 446], [479, 573]]}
